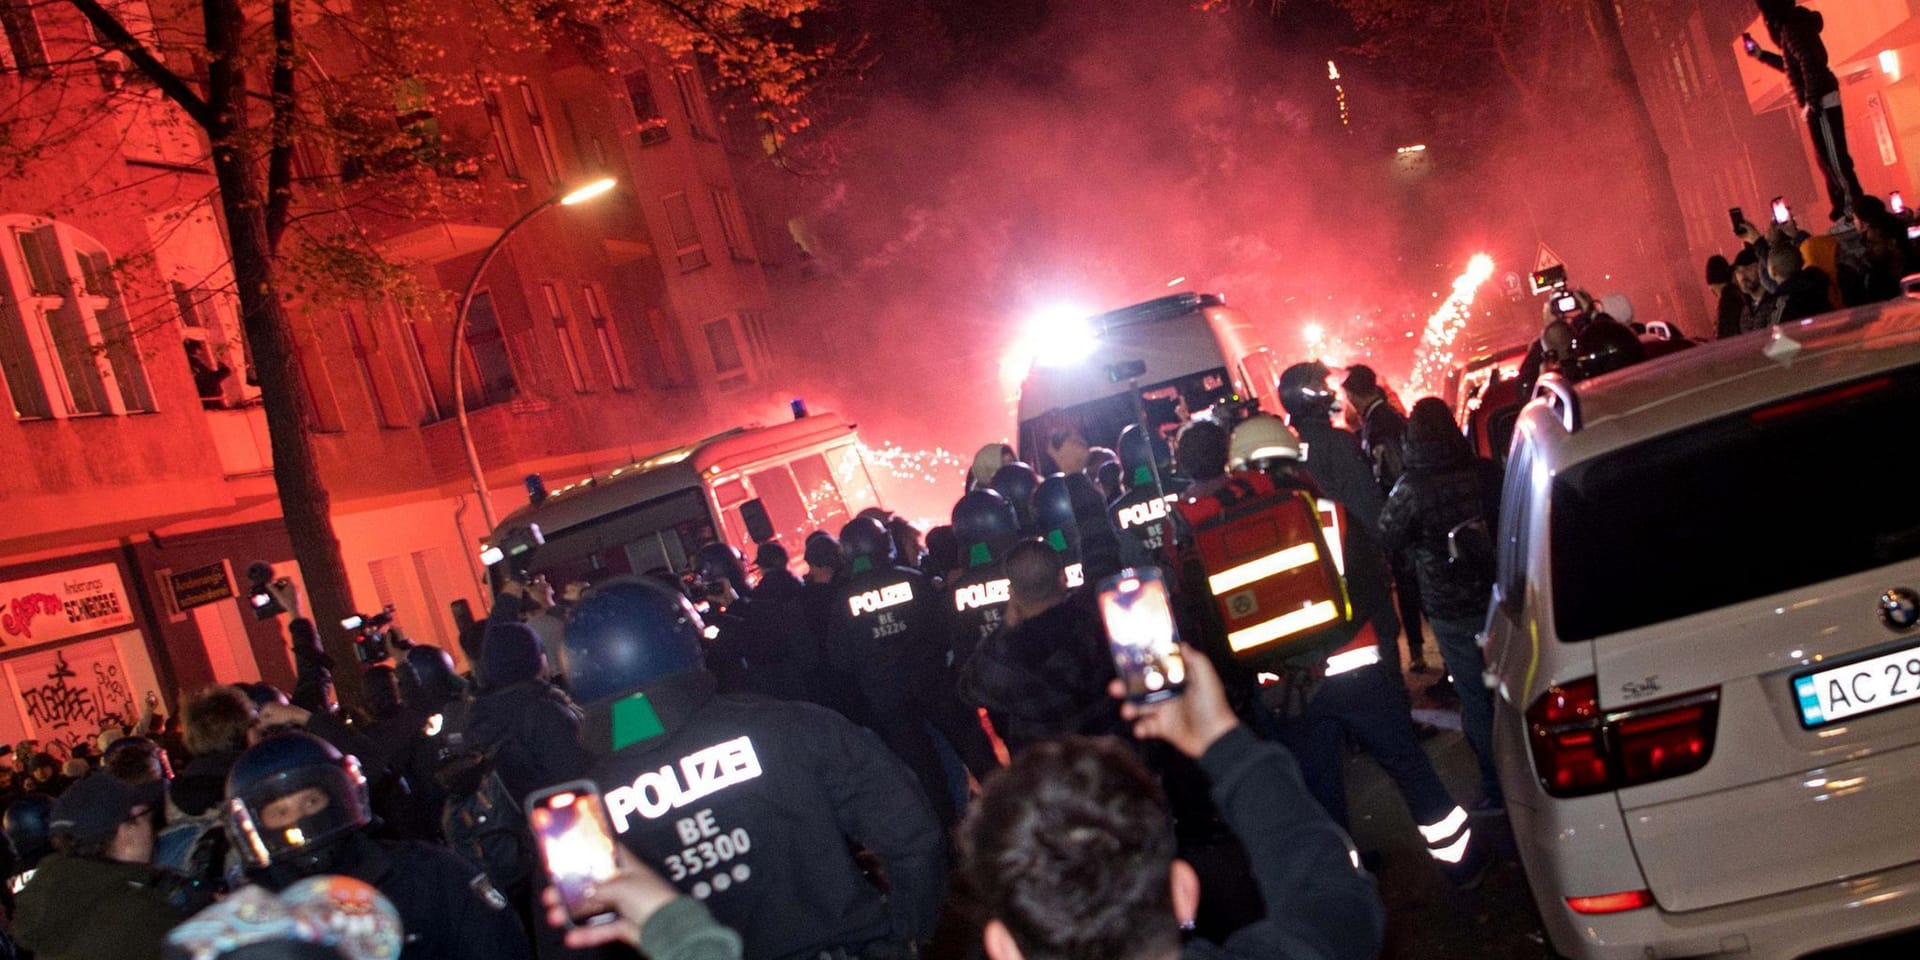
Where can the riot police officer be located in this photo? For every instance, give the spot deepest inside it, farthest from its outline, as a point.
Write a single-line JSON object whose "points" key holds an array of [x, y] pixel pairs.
{"points": [[888, 636], [1144, 511], [297, 808], [1074, 519], [987, 528], [1016, 482], [28, 836], [749, 805]]}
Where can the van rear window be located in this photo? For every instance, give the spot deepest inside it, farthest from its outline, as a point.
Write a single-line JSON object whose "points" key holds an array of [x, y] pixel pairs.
{"points": [[1786, 496]]}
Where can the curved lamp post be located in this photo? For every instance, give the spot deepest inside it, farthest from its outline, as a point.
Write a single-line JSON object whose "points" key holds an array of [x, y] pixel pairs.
{"points": [[568, 199]]}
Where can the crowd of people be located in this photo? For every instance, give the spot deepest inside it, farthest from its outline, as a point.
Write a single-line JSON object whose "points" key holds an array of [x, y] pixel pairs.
{"points": [[901, 744]]}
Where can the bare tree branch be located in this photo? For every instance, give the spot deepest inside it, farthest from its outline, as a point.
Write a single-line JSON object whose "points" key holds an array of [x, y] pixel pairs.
{"points": [[172, 84]]}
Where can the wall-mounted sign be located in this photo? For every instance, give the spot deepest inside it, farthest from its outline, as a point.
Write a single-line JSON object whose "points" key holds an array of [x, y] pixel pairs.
{"points": [[200, 586], [56, 606]]}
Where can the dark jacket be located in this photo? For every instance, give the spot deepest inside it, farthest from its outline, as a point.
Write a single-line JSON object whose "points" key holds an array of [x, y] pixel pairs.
{"points": [[1445, 485], [88, 909], [203, 784], [313, 668], [1046, 677], [1803, 295], [533, 732], [753, 805], [1727, 313], [1383, 431], [1320, 906], [888, 636], [446, 905], [1335, 463], [1802, 56]]}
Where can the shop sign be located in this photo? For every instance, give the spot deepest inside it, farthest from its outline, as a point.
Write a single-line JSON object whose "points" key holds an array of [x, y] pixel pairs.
{"points": [[200, 586], [59, 606]]}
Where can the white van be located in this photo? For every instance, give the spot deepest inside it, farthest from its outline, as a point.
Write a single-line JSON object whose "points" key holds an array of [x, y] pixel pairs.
{"points": [[1183, 353], [747, 485]]}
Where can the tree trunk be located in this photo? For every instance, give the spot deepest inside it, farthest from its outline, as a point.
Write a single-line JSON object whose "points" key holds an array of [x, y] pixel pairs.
{"points": [[1663, 219], [305, 505]]}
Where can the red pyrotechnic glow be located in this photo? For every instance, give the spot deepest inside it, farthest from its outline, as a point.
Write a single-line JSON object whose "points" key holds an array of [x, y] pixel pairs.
{"points": [[1435, 354]]}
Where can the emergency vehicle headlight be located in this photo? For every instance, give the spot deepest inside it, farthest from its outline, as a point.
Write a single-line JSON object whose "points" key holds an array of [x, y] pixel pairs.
{"points": [[1060, 337]]}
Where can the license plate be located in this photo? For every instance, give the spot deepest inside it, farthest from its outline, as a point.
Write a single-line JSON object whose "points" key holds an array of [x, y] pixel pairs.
{"points": [[1858, 688]]}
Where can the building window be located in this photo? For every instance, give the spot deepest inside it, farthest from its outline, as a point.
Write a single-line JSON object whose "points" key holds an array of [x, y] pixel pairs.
{"points": [[733, 224], [502, 146], [381, 390], [687, 248], [323, 407], [609, 339], [417, 362], [493, 380], [724, 347], [537, 122], [69, 344], [753, 325], [693, 102], [563, 331], [646, 111], [27, 51]]}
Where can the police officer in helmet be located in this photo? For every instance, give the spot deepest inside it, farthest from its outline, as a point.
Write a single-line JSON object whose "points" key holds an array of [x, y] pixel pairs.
{"points": [[1016, 482], [1144, 511], [887, 634], [747, 804], [987, 528], [296, 808]]}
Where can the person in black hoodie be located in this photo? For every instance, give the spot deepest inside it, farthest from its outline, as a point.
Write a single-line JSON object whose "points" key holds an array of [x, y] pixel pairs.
{"points": [[529, 726], [1802, 290], [1447, 488], [1803, 58]]}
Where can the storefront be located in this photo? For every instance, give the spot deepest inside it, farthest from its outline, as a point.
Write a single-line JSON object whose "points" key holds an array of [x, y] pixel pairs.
{"points": [[73, 655]]}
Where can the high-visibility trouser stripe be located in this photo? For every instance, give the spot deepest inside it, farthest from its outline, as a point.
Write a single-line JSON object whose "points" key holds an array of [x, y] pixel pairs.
{"points": [[1279, 561], [1283, 625], [1347, 661], [1447, 840]]}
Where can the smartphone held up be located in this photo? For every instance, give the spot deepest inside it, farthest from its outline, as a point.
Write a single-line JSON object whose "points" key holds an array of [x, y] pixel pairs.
{"points": [[570, 826], [1138, 613], [1781, 212]]}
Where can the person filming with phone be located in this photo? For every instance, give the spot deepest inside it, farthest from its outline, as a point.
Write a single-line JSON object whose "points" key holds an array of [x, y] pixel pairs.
{"points": [[1116, 892], [1803, 58]]}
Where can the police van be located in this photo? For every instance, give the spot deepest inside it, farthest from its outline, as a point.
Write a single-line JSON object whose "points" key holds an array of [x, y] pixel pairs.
{"points": [[1181, 354], [745, 486]]}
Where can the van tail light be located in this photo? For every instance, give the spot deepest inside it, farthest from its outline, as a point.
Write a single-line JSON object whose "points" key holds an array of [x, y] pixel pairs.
{"points": [[1579, 749], [1611, 902]]}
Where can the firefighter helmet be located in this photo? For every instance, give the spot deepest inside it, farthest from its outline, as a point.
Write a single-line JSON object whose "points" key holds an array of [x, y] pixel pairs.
{"points": [[1263, 436]]}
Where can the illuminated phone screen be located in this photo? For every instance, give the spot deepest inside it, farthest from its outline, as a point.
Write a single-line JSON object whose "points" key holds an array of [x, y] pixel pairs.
{"points": [[1141, 634], [576, 842]]}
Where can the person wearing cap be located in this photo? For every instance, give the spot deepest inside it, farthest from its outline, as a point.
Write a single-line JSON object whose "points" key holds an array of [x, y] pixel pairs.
{"points": [[98, 895]]}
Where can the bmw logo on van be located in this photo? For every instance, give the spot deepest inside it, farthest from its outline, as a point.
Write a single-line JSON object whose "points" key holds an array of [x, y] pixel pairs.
{"points": [[1900, 609]]}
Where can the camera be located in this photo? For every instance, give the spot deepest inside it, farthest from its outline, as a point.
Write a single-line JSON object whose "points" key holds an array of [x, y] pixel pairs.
{"points": [[1551, 278], [370, 642], [1565, 304]]}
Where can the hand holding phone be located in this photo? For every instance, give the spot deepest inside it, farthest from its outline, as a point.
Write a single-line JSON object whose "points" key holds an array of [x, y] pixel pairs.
{"points": [[1193, 723], [1781, 212], [634, 894], [1141, 634], [570, 826]]}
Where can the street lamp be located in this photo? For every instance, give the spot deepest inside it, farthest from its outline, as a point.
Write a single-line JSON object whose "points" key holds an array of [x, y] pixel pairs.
{"points": [[568, 199]]}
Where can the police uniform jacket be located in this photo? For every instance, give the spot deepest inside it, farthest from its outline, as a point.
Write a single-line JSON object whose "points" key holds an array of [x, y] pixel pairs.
{"points": [[447, 906], [752, 805], [887, 635], [974, 606]]}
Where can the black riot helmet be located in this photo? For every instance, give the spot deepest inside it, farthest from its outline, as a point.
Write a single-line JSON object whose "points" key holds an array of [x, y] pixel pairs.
{"points": [[986, 526], [630, 632], [1140, 454], [1304, 391], [26, 825], [1603, 347], [1016, 482], [868, 543], [279, 767], [1053, 507], [717, 561]]}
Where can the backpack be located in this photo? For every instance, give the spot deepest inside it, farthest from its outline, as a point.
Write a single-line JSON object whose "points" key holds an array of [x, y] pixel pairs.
{"points": [[1279, 594], [480, 819]]}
